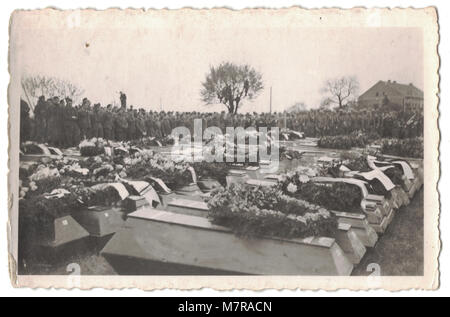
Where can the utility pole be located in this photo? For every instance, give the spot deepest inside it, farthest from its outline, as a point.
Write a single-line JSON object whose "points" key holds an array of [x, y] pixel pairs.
{"points": [[271, 99], [160, 104]]}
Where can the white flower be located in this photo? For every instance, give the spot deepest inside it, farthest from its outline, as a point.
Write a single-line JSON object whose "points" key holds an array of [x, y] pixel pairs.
{"points": [[292, 188], [303, 178]]}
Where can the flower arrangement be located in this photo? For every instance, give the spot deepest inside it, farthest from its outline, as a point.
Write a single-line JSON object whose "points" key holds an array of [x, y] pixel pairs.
{"points": [[287, 154], [354, 139], [214, 170], [360, 164], [146, 164], [95, 146], [148, 142], [263, 211], [39, 210], [412, 147], [333, 196]]}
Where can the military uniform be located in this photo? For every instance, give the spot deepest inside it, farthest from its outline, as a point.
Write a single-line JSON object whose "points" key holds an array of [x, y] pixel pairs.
{"points": [[108, 124], [71, 129], [131, 130], [141, 129], [40, 116], [120, 126], [25, 123], [84, 122], [97, 126]]}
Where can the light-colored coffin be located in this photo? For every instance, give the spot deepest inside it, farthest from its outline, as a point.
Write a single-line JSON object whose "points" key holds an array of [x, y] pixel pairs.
{"points": [[195, 245], [382, 203], [360, 226], [381, 227], [354, 249], [188, 207], [260, 182], [189, 190], [100, 222], [371, 208], [63, 230], [349, 242], [237, 177]]}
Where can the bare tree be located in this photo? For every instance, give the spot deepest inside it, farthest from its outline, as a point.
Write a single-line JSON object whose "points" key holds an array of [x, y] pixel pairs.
{"points": [[339, 91], [229, 84], [36, 86]]}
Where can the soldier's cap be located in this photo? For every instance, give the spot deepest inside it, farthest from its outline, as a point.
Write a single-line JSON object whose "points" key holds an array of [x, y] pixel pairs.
{"points": [[68, 99], [109, 106]]}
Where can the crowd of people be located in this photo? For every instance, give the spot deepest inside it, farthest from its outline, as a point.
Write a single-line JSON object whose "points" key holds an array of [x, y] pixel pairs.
{"points": [[59, 123]]}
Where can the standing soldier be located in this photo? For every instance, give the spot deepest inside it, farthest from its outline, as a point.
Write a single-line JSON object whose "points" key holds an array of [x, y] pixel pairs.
{"points": [[123, 100], [40, 116], [121, 125], [141, 129], [149, 125], [25, 125], [84, 118], [108, 123], [97, 127], [165, 126], [60, 117], [53, 121], [71, 129], [131, 131], [158, 129]]}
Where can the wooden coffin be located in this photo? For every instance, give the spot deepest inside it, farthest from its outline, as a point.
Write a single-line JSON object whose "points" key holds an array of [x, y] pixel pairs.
{"points": [[132, 202], [206, 185], [354, 249], [188, 207], [381, 227], [62, 231], [260, 182], [360, 226], [350, 243], [189, 190], [253, 172], [100, 221], [162, 242], [369, 206], [236, 177], [382, 203]]}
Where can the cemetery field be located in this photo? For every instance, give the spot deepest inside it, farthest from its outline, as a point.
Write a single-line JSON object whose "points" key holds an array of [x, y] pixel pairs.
{"points": [[399, 251], [132, 211]]}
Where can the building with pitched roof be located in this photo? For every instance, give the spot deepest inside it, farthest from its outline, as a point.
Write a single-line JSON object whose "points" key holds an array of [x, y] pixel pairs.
{"points": [[392, 95]]}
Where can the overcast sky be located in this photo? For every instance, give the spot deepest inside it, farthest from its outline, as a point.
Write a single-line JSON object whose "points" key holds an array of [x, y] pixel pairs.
{"points": [[168, 62]]}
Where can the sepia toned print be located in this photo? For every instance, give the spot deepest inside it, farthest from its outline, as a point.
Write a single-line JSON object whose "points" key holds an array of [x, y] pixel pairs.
{"points": [[246, 149]]}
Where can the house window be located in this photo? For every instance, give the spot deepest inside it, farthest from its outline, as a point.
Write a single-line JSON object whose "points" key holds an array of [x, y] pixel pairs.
{"points": [[377, 94]]}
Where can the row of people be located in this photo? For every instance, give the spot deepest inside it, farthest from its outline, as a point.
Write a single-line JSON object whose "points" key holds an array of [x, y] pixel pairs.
{"points": [[57, 122]]}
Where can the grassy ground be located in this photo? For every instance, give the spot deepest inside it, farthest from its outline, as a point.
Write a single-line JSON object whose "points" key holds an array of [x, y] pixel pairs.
{"points": [[399, 251]]}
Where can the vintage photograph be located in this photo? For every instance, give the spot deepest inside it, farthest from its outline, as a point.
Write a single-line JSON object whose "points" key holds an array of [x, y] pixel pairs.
{"points": [[224, 143]]}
